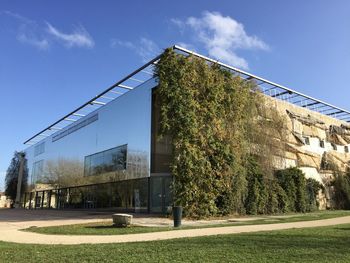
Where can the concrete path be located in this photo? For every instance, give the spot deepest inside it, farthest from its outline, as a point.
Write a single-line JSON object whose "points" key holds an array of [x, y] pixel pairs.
{"points": [[10, 232]]}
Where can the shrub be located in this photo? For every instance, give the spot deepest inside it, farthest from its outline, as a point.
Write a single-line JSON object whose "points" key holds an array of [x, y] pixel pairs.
{"points": [[277, 198], [293, 182], [257, 196], [342, 190], [312, 189], [301, 193]]}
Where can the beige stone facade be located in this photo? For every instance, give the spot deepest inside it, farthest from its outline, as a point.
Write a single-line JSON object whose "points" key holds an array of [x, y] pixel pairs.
{"points": [[316, 143]]}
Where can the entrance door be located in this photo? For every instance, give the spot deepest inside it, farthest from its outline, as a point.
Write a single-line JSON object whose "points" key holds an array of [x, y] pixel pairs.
{"points": [[160, 194]]}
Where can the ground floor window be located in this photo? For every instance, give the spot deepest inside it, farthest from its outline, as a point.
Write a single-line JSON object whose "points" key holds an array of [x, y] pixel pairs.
{"points": [[151, 194]]}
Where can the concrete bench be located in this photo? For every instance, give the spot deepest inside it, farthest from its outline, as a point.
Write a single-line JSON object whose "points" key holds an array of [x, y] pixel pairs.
{"points": [[121, 220]]}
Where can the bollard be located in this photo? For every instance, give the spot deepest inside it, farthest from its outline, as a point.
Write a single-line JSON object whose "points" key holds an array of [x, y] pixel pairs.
{"points": [[177, 214]]}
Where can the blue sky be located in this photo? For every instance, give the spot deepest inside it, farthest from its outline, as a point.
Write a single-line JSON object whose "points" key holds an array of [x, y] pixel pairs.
{"points": [[54, 56]]}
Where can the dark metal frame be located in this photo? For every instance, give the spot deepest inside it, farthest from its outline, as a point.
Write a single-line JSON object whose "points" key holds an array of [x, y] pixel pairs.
{"points": [[279, 90]]}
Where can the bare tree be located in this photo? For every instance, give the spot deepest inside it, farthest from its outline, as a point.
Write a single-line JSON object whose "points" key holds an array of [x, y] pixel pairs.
{"points": [[63, 172]]}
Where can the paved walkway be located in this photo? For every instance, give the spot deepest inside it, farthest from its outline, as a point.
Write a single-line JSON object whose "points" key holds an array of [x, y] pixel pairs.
{"points": [[9, 232]]}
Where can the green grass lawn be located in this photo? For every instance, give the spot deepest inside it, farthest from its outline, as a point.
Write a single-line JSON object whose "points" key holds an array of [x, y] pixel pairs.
{"points": [[106, 228], [323, 244]]}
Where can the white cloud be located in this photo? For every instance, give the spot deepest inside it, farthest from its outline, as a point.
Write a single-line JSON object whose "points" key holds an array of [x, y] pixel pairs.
{"points": [[17, 16], [187, 46], [42, 36], [179, 23], [80, 37], [145, 48], [148, 49], [28, 31], [117, 42], [222, 36], [42, 44]]}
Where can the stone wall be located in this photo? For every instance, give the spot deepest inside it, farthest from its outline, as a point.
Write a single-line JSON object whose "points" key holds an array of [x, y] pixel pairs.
{"points": [[316, 143]]}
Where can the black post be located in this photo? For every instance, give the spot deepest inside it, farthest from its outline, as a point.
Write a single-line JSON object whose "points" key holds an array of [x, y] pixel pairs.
{"points": [[58, 197], [30, 200], [177, 214], [42, 199], [149, 195], [49, 199], [35, 199]]}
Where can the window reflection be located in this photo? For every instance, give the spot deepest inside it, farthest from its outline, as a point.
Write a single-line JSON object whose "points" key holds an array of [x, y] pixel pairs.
{"points": [[107, 161], [38, 168]]}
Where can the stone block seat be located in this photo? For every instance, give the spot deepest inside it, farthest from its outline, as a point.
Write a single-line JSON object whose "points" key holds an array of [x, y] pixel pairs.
{"points": [[122, 220]]}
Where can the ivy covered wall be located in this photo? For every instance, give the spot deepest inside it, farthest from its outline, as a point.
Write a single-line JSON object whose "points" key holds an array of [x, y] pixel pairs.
{"points": [[224, 138]]}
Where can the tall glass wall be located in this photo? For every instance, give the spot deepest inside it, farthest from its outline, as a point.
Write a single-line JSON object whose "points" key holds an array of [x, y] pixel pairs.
{"points": [[110, 144], [112, 158]]}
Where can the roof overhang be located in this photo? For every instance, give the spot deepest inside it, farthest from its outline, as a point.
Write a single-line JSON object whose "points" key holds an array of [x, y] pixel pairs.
{"points": [[146, 72]]}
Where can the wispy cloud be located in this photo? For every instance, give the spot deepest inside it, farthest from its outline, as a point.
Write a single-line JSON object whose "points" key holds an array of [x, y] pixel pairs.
{"points": [[144, 47], [79, 38], [187, 46], [221, 36], [42, 44], [117, 42], [17, 16], [28, 31], [43, 36]]}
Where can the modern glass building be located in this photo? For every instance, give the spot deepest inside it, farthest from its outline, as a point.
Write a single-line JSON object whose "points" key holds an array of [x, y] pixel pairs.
{"points": [[106, 153]]}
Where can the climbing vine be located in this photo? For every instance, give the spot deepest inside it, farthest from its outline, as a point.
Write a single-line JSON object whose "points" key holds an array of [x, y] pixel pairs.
{"points": [[217, 123]]}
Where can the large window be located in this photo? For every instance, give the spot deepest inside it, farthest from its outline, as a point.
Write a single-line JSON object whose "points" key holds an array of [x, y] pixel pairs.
{"points": [[107, 161]]}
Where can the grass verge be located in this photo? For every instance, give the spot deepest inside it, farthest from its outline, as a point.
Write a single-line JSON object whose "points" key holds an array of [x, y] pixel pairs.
{"points": [[323, 244]]}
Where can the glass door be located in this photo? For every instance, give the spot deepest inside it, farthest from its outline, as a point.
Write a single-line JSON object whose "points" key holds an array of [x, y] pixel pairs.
{"points": [[160, 194]]}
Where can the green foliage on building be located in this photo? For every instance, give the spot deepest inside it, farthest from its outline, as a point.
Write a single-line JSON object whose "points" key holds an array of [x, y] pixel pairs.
{"points": [[224, 138]]}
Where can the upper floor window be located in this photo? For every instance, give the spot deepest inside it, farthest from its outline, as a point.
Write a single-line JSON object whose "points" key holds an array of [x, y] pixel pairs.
{"points": [[307, 140], [106, 161], [334, 146], [322, 145], [346, 149]]}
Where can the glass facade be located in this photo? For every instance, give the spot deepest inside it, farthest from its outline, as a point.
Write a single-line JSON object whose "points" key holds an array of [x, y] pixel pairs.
{"points": [[123, 121], [111, 158]]}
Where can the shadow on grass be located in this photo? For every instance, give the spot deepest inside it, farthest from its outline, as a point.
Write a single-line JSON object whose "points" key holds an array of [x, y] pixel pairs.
{"points": [[343, 228], [110, 227]]}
